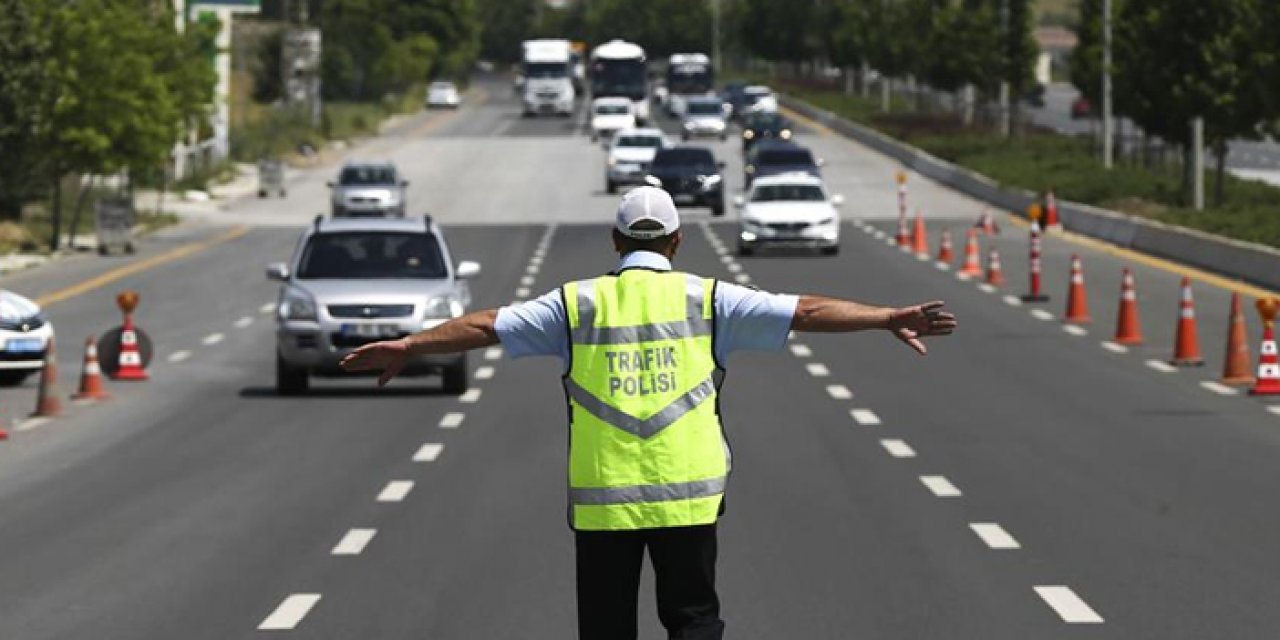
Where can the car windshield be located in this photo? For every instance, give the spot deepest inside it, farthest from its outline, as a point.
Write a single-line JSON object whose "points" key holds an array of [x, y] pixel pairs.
{"points": [[371, 255], [777, 192], [546, 70], [785, 156], [766, 120], [651, 142], [685, 157], [704, 108], [441, 86], [612, 109], [367, 176]]}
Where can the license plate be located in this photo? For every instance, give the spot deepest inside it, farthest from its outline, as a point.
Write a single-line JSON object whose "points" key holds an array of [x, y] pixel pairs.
{"points": [[683, 198], [24, 345], [371, 330]]}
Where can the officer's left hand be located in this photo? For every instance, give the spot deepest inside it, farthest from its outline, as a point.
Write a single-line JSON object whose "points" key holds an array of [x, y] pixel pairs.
{"points": [[909, 324]]}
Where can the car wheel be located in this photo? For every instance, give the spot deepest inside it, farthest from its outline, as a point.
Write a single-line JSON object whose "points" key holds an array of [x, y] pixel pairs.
{"points": [[610, 187], [290, 380], [455, 377], [831, 251], [744, 250], [13, 378]]}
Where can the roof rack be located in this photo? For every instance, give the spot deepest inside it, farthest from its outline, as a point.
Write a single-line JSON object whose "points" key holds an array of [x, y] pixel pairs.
{"points": [[316, 223], [427, 220]]}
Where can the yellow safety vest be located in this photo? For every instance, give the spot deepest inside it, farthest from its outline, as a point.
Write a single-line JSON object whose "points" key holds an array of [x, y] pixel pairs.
{"points": [[646, 446]]}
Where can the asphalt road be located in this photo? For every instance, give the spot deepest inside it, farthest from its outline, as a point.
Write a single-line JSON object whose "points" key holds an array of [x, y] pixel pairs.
{"points": [[1019, 482]]}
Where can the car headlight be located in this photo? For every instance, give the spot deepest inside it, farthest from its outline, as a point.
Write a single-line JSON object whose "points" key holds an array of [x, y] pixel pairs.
{"points": [[710, 181], [748, 134], [785, 134], [443, 307], [749, 168], [688, 124], [297, 305]]}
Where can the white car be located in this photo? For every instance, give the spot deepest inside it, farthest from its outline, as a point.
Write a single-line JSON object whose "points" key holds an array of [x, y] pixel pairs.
{"points": [[630, 153], [24, 338], [759, 98], [443, 94], [704, 116], [609, 115], [789, 210]]}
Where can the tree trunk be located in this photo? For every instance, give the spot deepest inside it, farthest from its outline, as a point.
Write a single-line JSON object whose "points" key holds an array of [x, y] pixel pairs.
{"points": [[969, 99], [848, 81], [81, 197], [1188, 174], [865, 80], [1219, 175], [886, 89], [55, 214]]}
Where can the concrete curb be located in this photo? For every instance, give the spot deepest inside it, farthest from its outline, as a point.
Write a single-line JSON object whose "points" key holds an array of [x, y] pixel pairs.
{"points": [[1249, 262]]}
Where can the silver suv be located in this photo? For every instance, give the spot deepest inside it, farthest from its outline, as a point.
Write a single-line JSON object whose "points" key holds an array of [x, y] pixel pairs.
{"points": [[355, 281], [368, 189]]}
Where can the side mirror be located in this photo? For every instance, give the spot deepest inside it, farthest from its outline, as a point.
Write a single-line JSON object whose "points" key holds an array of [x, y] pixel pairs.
{"points": [[278, 271], [837, 200], [739, 202], [467, 269], [653, 181]]}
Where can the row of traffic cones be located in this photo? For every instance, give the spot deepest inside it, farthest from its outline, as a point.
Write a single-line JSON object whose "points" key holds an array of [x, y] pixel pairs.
{"points": [[48, 404]]}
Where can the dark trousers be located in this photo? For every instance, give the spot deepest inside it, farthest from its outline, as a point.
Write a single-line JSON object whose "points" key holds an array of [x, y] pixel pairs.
{"points": [[684, 566]]}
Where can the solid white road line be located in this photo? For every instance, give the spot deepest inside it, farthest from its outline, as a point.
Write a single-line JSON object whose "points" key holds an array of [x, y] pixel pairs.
{"points": [[269, 307], [940, 486], [839, 392], [1114, 347], [452, 420], [817, 369], [898, 448], [470, 396], [493, 353], [244, 322], [428, 452], [395, 491], [864, 417], [994, 535], [212, 339], [1219, 388], [801, 351], [1161, 366], [178, 356], [1041, 314], [354, 542], [1068, 605], [484, 373], [1013, 301], [290, 612], [1075, 330]]}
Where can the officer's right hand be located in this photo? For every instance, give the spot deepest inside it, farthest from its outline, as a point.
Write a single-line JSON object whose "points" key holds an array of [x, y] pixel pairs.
{"points": [[909, 324], [388, 356]]}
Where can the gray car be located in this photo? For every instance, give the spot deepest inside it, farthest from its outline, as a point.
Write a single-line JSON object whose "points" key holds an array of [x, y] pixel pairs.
{"points": [[704, 116], [355, 281], [371, 189]]}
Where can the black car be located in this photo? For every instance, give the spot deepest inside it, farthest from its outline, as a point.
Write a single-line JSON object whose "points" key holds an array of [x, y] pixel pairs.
{"points": [[764, 125], [732, 94], [691, 175], [772, 157]]}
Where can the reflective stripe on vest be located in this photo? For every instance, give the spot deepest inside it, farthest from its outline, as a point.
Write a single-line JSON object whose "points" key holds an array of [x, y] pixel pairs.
{"points": [[646, 448]]}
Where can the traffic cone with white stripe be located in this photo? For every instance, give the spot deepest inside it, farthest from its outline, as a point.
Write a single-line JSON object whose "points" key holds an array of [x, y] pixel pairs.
{"points": [[1035, 294], [987, 223], [1239, 363], [1186, 346], [972, 266], [995, 275], [91, 375], [946, 255], [1128, 328], [130, 356], [903, 238], [1077, 299], [920, 237], [1268, 383], [47, 403], [1051, 221]]}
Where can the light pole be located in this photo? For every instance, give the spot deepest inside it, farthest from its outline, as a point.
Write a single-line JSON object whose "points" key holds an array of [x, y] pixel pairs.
{"points": [[715, 35], [1005, 125], [1107, 151]]}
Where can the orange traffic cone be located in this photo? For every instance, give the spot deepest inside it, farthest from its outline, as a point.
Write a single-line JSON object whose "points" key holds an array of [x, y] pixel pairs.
{"points": [[130, 357], [1077, 299], [1128, 329], [919, 237], [987, 223], [1186, 346], [1237, 369], [972, 267], [47, 403], [1051, 211], [1268, 383], [995, 275], [945, 253], [91, 377]]}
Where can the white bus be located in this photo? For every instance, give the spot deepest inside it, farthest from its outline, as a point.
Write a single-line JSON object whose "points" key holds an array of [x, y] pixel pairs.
{"points": [[688, 75], [619, 69]]}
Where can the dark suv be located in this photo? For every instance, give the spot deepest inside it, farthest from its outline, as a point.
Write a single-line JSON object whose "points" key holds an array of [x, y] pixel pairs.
{"points": [[772, 157], [764, 125], [691, 175]]}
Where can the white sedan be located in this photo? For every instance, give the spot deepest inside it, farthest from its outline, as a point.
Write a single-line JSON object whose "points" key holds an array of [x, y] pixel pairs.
{"points": [[24, 338], [609, 115], [443, 94], [630, 153], [789, 210]]}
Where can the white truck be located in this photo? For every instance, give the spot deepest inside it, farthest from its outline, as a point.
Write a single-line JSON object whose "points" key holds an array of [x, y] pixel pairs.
{"points": [[547, 72], [619, 69]]}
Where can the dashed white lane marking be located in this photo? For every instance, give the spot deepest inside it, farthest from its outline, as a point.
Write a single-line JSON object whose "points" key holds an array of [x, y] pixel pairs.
{"points": [[817, 369], [267, 308], [395, 491], [839, 392], [726, 259], [526, 280], [1075, 330], [290, 612], [893, 242], [923, 257], [1161, 366], [452, 420], [31, 423], [212, 339], [864, 417], [428, 452], [354, 542], [940, 486], [535, 260], [523, 292], [243, 322], [742, 278], [493, 353], [941, 266], [733, 267], [1114, 347], [1219, 388], [179, 356], [878, 234], [963, 277], [986, 288], [1013, 301], [1068, 605], [898, 448], [470, 396], [1041, 314], [801, 351], [484, 373], [532, 269], [994, 535]]}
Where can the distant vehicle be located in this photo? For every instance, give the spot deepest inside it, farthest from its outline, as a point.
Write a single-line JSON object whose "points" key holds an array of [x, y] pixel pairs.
{"points": [[351, 282], [619, 69], [25, 334], [630, 154], [764, 126], [756, 98], [443, 94], [691, 175], [734, 95], [1081, 108], [789, 210], [368, 189], [609, 115], [704, 116], [771, 157], [688, 75], [548, 77]]}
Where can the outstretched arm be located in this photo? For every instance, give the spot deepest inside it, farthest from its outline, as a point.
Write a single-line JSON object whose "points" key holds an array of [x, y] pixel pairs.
{"points": [[908, 324], [471, 331]]}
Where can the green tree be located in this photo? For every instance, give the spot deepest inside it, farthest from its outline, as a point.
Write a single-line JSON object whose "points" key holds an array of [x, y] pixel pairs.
{"points": [[23, 87], [662, 27], [506, 24], [783, 31]]}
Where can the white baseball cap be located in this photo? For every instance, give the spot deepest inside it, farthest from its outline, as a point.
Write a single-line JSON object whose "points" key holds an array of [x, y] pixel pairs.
{"points": [[647, 203]]}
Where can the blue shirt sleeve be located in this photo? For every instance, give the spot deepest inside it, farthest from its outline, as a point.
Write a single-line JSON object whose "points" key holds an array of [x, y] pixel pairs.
{"points": [[538, 327], [751, 319]]}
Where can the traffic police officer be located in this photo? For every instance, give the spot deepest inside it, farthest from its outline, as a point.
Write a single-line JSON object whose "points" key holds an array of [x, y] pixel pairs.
{"points": [[644, 348]]}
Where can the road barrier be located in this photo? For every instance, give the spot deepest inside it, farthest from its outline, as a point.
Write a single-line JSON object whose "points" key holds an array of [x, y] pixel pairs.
{"points": [[1186, 345], [130, 363], [1268, 383]]}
